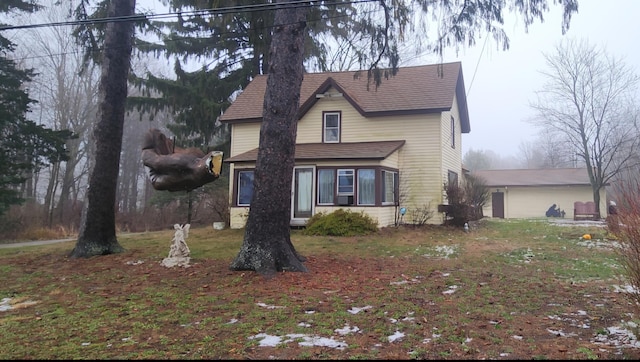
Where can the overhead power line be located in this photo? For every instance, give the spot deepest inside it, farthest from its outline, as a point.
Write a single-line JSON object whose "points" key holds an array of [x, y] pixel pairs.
{"points": [[201, 12]]}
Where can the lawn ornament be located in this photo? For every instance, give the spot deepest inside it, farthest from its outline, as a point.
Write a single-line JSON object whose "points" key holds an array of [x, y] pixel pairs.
{"points": [[554, 211], [179, 253]]}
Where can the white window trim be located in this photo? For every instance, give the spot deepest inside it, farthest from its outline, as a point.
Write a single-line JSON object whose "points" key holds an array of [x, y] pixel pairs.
{"points": [[238, 187], [353, 184], [324, 126], [384, 191]]}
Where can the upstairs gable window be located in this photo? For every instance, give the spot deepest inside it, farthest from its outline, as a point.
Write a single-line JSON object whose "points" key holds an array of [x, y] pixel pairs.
{"points": [[331, 127]]}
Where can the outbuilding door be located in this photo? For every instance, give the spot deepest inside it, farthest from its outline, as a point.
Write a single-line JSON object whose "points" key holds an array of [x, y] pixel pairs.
{"points": [[497, 204]]}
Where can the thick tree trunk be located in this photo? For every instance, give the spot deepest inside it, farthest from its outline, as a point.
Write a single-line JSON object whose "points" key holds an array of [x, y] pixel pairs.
{"points": [[97, 234], [267, 246]]}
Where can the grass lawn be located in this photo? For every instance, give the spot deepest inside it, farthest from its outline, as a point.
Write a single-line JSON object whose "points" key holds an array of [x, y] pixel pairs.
{"points": [[519, 289]]}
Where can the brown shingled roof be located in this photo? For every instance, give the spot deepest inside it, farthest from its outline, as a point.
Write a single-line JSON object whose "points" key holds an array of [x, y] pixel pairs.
{"points": [[418, 89], [333, 151], [534, 177]]}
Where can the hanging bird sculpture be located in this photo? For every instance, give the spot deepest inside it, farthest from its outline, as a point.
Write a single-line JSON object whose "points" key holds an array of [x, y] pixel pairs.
{"points": [[178, 169]]}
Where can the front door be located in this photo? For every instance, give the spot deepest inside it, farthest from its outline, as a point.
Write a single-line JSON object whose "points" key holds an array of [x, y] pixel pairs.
{"points": [[302, 199], [497, 204]]}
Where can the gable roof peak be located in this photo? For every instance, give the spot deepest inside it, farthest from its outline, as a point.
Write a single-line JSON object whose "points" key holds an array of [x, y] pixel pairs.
{"points": [[413, 90]]}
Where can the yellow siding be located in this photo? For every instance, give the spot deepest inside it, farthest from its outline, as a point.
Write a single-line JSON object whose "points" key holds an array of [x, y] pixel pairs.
{"points": [[244, 137], [418, 159], [528, 202], [451, 156], [238, 217]]}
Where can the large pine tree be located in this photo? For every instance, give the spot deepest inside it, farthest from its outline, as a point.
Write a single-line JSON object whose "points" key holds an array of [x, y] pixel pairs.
{"points": [[25, 147], [97, 234], [232, 37]]}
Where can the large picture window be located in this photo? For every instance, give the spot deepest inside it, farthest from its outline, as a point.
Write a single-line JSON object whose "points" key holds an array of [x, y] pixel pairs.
{"points": [[245, 188], [331, 127], [389, 187], [326, 186], [366, 187]]}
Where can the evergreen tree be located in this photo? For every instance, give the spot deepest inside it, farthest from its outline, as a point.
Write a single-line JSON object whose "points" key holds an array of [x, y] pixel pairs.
{"points": [[236, 35], [25, 147]]}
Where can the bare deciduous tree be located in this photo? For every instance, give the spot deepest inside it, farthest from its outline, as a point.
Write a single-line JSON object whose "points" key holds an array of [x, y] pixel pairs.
{"points": [[588, 98], [66, 100], [549, 150]]}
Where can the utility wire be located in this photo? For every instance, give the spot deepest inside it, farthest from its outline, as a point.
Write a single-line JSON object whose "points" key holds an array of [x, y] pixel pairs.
{"points": [[201, 12], [165, 41], [477, 64]]}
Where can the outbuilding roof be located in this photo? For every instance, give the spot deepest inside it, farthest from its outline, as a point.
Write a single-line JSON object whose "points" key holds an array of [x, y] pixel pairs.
{"points": [[534, 177]]}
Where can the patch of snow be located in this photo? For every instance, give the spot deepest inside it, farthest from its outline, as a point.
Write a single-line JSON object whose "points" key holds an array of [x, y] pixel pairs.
{"points": [[304, 324], [406, 279], [561, 333], [451, 289], [619, 336], [356, 310], [347, 330], [599, 244], [396, 336], [399, 282], [6, 304], [443, 251], [625, 289], [571, 222], [269, 306], [267, 340]]}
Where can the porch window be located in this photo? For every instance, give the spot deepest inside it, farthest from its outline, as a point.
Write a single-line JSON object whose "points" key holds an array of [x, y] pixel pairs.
{"points": [[245, 188], [345, 182], [326, 186], [331, 127], [389, 187], [366, 187]]}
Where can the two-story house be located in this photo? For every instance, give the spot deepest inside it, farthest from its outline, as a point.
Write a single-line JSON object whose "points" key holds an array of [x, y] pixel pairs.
{"points": [[369, 149]]}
